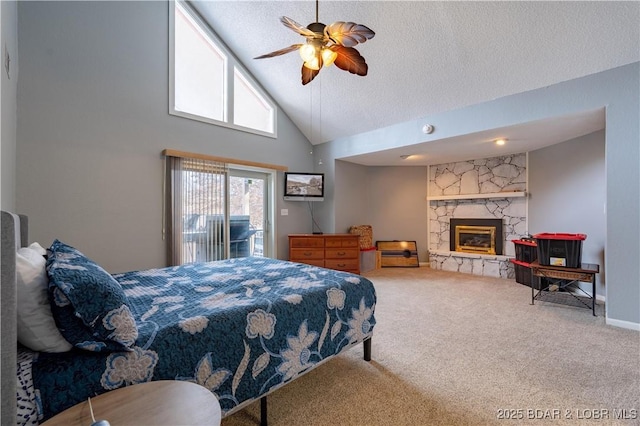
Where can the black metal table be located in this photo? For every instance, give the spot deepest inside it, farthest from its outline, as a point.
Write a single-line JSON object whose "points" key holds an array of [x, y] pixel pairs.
{"points": [[564, 277]]}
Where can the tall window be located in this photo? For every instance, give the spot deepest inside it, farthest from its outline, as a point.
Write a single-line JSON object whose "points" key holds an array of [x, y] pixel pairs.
{"points": [[199, 70], [250, 109], [207, 83]]}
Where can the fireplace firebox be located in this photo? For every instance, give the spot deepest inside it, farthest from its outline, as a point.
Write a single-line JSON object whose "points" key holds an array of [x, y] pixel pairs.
{"points": [[482, 236]]}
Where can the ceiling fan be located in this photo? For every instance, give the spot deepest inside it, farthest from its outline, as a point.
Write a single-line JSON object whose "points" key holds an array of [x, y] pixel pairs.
{"points": [[326, 45]]}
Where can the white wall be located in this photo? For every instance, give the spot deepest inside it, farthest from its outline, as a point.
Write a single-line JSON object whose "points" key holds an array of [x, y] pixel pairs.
{"points": [[8, 94], [93, 120], [567, 193]]}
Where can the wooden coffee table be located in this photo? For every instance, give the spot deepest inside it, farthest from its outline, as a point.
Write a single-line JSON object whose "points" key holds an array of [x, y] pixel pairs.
{"points": [[164, 402]]}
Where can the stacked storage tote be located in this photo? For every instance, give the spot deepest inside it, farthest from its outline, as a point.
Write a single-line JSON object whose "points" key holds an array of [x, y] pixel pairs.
{"points": [[526, 252]]}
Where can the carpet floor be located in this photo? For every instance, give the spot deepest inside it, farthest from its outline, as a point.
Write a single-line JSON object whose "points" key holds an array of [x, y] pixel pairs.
{"points": [[458, 349]]}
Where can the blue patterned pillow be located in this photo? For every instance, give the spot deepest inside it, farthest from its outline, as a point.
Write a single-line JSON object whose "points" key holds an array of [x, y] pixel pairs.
{"points": [[87, 303]]}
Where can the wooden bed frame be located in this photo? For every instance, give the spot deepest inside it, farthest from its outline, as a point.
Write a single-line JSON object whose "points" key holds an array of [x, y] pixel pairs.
{"points": [[14, 235]]}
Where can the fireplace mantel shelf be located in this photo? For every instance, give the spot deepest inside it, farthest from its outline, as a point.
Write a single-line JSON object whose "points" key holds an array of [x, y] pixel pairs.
{"points": [[477, 196], [500, 257]]}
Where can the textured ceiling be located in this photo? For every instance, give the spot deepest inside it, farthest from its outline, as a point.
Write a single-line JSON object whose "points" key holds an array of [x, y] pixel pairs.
{"points": [[429, 57]]}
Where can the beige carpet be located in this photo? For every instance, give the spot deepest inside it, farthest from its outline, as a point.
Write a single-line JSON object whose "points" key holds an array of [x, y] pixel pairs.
{"points": [[457, 349]]}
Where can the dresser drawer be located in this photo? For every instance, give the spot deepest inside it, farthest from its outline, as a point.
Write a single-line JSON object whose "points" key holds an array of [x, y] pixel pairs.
{"points": [[341, 253], [301, 254], [306, 242], [343, 264], [342, 242], [333, 251], [313, 262]]}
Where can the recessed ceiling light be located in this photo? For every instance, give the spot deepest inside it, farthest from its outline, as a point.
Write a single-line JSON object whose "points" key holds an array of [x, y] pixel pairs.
{"points": [[501, 141]]}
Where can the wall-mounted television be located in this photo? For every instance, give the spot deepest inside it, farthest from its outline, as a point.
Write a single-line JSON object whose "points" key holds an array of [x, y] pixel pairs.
{"points": [[301, 186]]}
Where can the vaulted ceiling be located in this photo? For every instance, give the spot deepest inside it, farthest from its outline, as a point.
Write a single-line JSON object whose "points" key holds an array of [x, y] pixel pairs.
{"points": [[430, 57]]}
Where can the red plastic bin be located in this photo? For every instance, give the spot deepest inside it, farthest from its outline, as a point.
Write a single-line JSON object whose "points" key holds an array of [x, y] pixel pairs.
{"points": [[560, 249], [526, 251], [523, 275]]}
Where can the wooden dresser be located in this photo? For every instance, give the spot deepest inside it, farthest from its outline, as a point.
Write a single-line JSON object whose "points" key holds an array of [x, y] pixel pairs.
{"points": [[333, 251]]}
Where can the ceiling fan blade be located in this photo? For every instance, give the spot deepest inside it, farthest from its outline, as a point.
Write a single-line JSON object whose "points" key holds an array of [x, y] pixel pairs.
{"points": [[293, 25], [348, 34], [308, 75], [279, 52], [349, 59]]}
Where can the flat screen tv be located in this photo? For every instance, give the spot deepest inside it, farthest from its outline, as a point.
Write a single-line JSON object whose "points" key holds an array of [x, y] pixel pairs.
{"points": [[301, 186]]}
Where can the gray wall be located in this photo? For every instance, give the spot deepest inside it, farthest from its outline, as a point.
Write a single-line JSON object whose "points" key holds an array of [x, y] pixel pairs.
{"points": [[398, 205], [9, 85], [568, 194], [390, 199], [355, 203], [93, 119], [617, 90]]}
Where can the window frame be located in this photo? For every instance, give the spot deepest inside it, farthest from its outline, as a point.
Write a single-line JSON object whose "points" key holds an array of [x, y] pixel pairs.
{"points": [[232, 64]]}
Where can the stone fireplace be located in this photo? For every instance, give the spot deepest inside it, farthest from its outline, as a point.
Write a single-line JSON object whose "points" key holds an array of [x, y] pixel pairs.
{"points": [[480, 236], [487, 198]]}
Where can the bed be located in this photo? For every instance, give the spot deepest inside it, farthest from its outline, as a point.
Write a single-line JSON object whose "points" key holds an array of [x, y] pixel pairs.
{"points": [[241, 327]]}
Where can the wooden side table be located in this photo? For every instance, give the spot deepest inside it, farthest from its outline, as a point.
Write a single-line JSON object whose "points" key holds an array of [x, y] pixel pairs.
{"points": [[163, 402], [570, 276]]}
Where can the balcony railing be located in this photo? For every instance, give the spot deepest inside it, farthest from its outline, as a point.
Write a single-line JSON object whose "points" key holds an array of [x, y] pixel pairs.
{"points": [[206, 244]]}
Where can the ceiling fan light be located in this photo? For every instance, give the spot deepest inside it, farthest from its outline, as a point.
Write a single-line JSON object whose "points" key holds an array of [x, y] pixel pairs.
{"points": [[313, 64], [326, 44], [307, 52], [328, 56]]}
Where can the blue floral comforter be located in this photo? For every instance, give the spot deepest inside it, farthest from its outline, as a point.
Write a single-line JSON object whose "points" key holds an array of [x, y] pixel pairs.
{"points": [[240, 327]]}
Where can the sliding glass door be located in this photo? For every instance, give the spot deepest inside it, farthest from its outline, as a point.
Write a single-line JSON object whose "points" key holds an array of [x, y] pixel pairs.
{"points": [[218, 211], [250, 220]]}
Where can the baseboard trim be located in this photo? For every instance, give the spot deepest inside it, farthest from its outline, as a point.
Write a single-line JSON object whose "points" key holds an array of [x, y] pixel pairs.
{"points": [[623, 324]]}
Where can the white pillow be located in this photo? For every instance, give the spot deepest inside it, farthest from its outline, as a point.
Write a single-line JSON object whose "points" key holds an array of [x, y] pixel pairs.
{"points": [[37, 329]]}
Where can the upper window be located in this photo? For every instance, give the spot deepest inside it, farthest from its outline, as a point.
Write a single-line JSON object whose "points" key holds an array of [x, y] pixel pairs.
{"points": [[207, 83]]}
